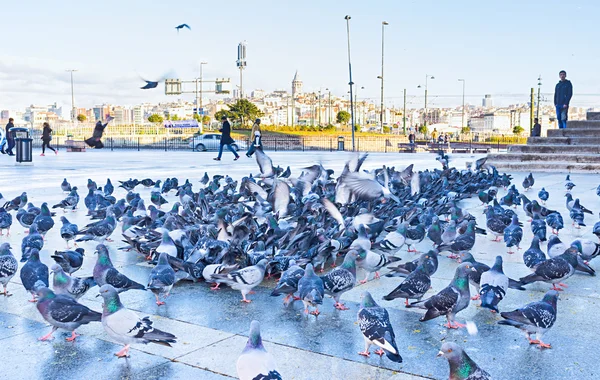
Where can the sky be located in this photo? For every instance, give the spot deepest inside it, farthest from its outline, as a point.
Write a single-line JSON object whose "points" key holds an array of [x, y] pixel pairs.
{"points": [[498, 47]]}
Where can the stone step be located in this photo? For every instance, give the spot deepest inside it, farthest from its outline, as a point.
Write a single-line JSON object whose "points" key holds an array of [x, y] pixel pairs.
{"points": [[564, 140], [546, 157], [574, 132], [583, 124], [545, 166], [549, 148]]}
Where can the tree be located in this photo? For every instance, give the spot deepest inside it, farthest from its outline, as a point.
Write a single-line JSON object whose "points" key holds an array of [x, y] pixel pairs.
{"points": [[343, 117], [155, 118], [423, 129], [386, 129], [221, 113], [205, 119], [465, 130], [517, 130], [173, 117], [81, 118], [244, 111]]}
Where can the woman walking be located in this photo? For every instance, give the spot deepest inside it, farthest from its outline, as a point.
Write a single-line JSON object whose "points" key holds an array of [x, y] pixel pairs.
{"points": [[256, 139], [46, 138]]}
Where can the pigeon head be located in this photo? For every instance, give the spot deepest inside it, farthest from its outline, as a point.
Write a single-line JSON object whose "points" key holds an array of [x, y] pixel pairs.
{"points": [[551, 297], [42, 291], [466, 257], [367, 300], [112, 303], [498, 264], [34, 254], [450, 351], [575, 244], [262, 263], [462, 272], [350, 258], [45, 209], [64, 220], [254, 339], [5, 249], [163, 259], [55, 268], [308, 271], [81, 251], [103, 257]]}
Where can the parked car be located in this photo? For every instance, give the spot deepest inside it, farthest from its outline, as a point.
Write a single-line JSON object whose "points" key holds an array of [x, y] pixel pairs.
{"points": [[211, 141]]}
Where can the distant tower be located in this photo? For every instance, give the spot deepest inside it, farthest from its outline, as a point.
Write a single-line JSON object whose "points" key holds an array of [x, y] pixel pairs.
{"points": [[487, 101], [241, 64], [296, 85]]}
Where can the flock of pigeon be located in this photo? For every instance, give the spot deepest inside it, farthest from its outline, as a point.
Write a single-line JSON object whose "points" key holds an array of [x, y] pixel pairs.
{"points": [[235, 233]]}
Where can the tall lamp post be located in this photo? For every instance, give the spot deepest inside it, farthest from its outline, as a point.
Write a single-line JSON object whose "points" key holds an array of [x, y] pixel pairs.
{"points": [[350, 83], [73, 111], [427, 76], [462, 125], [199, 92], [383, 24], [539, 104], [329, 109]]}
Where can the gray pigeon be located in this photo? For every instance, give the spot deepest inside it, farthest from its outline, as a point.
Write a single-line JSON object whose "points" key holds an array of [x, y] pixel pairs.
{"points": [[244, 279], [5, 221], [373, 262], [255, 362], [64, 284], [554, 270], [99, 231], [162, 278], [429, 260], [288, 282], [341, 279], [105, 273], [44, 221], [125, 326], [415, 286], [311, 290], [31, 241], [534, 318], [375, 325], [493, 286], [462, 243], [65, 186], [534, 256], [449, 233], [70, 202], [587, 249], [462, 367], [450, 300], [63, 312], [68, 231], [32, 272], [8, 266], [70, 261]]}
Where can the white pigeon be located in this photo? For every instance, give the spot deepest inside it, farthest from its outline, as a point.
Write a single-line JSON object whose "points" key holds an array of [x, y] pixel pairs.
{"points": [[255, 362], [244, 279]]}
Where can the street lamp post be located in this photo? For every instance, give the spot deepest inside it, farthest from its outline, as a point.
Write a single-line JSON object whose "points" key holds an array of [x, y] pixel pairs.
{"points": [[427, 76], [350, 83], [73, 111], [199, 92], [383, 24], [329, 110], [462, 125], [539, 104]]}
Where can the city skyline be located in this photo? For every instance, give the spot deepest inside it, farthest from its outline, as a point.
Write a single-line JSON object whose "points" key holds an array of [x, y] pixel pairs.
{"points": [[492, 46]]}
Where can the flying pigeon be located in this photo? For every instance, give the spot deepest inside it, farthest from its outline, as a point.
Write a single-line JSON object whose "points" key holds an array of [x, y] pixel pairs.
{"points": [[493, 286], [450, 300], [415, 286], [161, 278], [8, 267], [125, 326], [244, 279], [255, 362], [70, 261], [288, 283], [341, 279], [32, 272], [74, 287], [375, 325], [178, 27], [462, 367], [534, 318], [105, 273], [63, 312], [311, 290]]}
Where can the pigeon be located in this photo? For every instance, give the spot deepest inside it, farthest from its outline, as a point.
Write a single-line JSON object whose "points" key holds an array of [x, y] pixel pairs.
{"points": [[32, 240], [32, 272], [434, 232], [100, 231], [8, 267], [105, 273], [148, 182], [5, 221], [414, 236], [513, 234], [109, 188], [568, 184], [493, 286], [376, 328], [496, 223], [157, 199], [543, 195], [70, 261], [484, 197], [555, 221], [25, 218], [415, 286], [68, 231], [162, 278], [16, 203], [554, 270], [527, 184], [534, 318], [65, 186], [555, 246], [288, 283], [70, 202], [178, 27], [63, 312], [244, 279], [373, 262], [462, 367], [449, 233], [596, 230], [538, 227], [90, 200], [125, 326], [587, 249], [341, 279], [534, 256], [393, 240], [311, 290], [364, 187], [167, 245], [429, 260], [462, 243], [450, 300], [74, 287], [570, 202], [577, 215], [255, 362]]}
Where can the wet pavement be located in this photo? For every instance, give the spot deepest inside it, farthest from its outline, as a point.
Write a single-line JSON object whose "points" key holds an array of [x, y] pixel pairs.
{"points": [[211, 326]]}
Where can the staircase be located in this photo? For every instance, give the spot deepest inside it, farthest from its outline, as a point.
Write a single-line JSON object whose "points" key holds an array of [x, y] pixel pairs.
{"points": [[574, 149]]}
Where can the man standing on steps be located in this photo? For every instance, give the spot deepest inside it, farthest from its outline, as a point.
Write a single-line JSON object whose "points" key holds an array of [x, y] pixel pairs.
{"points": [[562, 96]]}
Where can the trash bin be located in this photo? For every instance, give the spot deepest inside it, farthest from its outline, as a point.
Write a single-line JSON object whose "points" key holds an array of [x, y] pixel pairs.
{"points": [[23, 144], [340, 142]]}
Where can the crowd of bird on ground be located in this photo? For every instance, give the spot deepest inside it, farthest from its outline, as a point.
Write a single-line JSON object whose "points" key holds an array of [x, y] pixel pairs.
{"points": [[314, 230]]}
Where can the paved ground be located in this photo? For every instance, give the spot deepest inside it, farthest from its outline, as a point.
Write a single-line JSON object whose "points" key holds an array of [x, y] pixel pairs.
{"points": [[212, 326]]}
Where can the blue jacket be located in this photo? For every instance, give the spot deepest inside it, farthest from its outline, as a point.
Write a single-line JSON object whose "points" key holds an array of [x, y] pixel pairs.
{"points": [[563, 92]]}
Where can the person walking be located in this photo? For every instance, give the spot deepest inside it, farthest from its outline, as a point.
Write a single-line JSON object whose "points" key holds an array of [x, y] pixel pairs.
{"points": [[10, 141], [226, 139], [46, 138], [562, 96], [434, 135], [256, 139], [537, 128], [95, 141]]}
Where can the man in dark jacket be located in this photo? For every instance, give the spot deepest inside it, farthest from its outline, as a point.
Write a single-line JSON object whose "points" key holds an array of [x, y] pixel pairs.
{"points": [[226, 140], [95, 141], [562, 96], [537, 128], [10, 141]]}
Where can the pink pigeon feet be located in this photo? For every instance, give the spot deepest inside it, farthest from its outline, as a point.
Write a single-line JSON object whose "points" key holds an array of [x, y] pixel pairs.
{"points": [[365, 354], [340, 306], [216, 287], [124, 353], [160, 303], [5, 293], [474, 298], [377, 275], [72, 338], [316, 312], [362, 282], [47, 337], [453, 325], [380, 352], [559, 287]]}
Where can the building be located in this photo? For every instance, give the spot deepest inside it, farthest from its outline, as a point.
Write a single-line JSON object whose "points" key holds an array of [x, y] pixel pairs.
{"points": [[258, 94], [100, 112], [296, 85], [139, 115], [122, 115], [497, 122], [487, 101], [55, 109]]}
